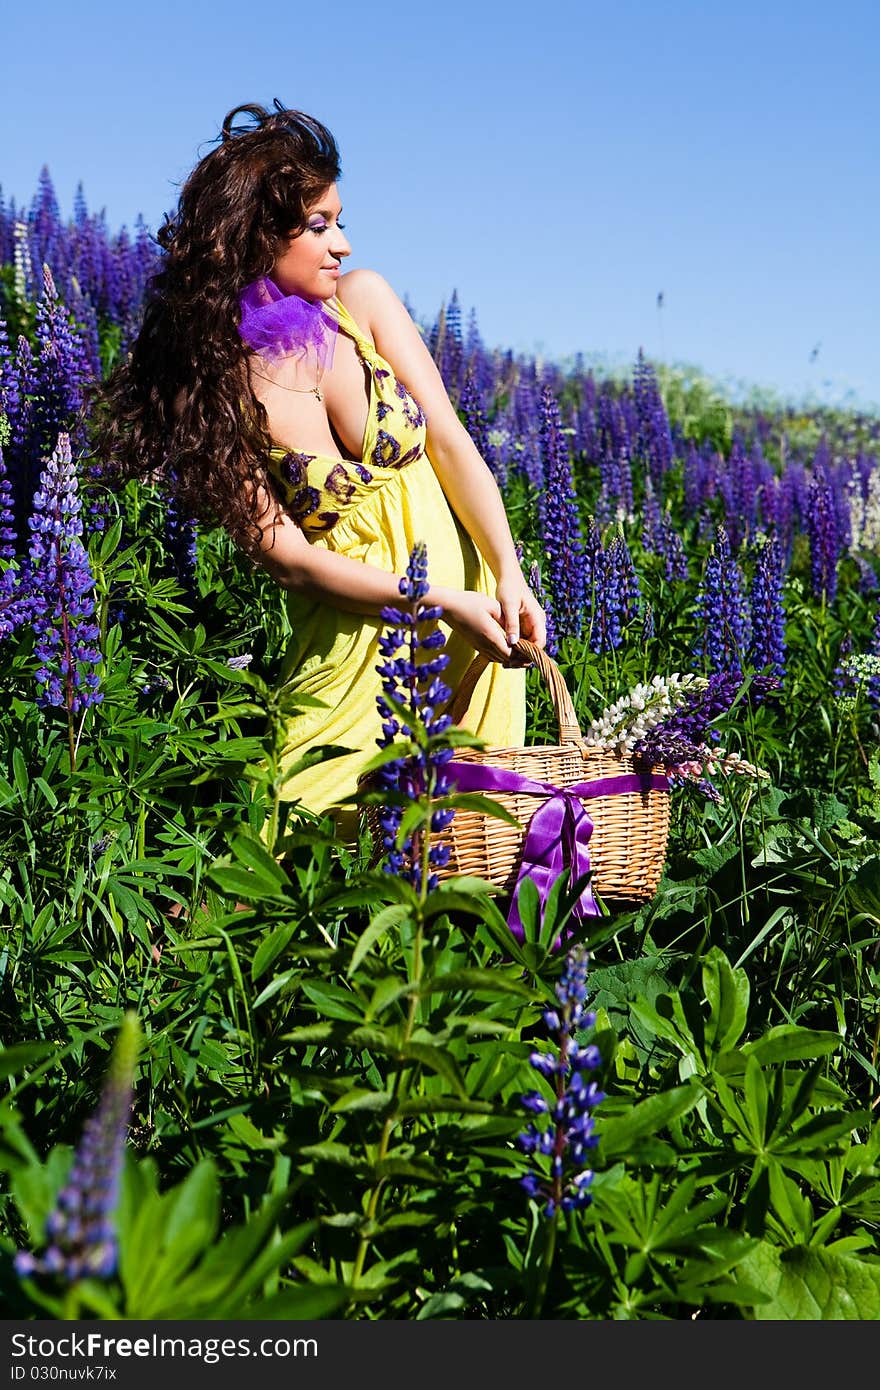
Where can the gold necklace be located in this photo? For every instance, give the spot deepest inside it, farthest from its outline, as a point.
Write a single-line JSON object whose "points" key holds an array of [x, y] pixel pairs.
{"points": [[308, 390]]}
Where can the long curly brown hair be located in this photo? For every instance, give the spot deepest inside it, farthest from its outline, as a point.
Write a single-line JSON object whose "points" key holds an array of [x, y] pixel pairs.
{"points": [[180, 410]]}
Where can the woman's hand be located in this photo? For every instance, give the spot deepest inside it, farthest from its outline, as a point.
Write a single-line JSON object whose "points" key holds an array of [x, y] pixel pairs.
{"points": [[521, 613], [476, 617]]}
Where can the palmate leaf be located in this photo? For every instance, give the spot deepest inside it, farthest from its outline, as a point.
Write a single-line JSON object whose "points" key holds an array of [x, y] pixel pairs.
{"points": [[809, 1283]]}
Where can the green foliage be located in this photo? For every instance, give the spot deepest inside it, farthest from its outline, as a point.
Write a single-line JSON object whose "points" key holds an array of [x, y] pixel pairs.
{"points": [[328, 1094]]}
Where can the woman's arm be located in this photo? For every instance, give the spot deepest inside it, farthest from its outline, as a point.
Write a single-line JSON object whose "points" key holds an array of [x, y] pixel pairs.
{"points": [[464, 476], [357, 587]]}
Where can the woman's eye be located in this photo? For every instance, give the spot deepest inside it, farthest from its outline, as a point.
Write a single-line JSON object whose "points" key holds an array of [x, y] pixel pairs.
{"points": [[319, 227]]}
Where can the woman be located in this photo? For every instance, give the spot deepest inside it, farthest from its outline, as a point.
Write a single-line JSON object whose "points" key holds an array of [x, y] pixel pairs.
{"points": [[299, 407]]}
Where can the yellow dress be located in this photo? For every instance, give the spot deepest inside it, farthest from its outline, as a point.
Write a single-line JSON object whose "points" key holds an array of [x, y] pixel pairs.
{"points": [[375, 509]]}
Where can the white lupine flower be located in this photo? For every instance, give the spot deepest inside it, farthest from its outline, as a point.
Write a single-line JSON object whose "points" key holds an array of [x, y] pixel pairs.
{"points": [[625, 723], [866, 533], [23, 274]]}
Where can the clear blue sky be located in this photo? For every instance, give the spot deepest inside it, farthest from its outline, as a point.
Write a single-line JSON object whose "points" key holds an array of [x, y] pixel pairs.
{"points": [[560, 164]]}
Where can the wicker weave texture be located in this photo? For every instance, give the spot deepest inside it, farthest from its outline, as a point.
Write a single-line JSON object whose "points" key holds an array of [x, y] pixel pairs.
{"points": [[630, 829]]}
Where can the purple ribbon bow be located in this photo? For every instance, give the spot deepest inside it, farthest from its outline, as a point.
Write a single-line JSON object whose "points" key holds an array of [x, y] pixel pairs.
{"points": [[558, 833]]}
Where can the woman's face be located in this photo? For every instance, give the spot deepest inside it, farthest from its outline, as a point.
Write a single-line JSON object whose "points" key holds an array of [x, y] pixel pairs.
{"points": [[309, 265]]}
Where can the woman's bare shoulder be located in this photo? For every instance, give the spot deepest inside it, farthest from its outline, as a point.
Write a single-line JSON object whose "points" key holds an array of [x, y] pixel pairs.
{"points": [[365, 294]]}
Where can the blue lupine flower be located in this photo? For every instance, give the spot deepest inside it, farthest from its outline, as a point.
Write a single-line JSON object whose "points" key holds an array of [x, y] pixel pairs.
{"points": [[616, 594], [527, 426], [560, 523], [61, 586], [767, 612], [567, 1137], [412, 679], [654, 446], [81, 1230], [844, 681], [15, 601], [536, 585], [722, 615], [7, 514], [474, 421], [822, 529], [652, 521], [181, 539]]}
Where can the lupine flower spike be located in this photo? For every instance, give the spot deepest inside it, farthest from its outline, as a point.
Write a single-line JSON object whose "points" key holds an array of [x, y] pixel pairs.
{"points": [[81, 1229], [62, 586], [560, 1146], [412, 680]]}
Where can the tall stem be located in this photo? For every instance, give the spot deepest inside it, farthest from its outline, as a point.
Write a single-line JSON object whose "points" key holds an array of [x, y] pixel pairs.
{"points": [[543, 1277]]}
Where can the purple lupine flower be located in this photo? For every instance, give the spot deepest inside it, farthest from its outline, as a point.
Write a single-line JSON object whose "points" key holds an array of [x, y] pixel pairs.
{"points": [[413, 681], [844, 681], [81, 1229], [652, 521], [685, 734], [529, 426], [559, 1148], [15, 601], [7, 515], [181, 539], [654, 446], [738, 492], [477, 359], [867, 575], [673, 552], [474, 420], [822, 529], [62, 590], [560, 523], [536, 585], [722, 616], [766, 610], [62, 369], [18, 384]]}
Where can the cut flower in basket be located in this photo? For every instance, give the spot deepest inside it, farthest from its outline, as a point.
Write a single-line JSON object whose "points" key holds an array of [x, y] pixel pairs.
{"points": [[667, 723]]}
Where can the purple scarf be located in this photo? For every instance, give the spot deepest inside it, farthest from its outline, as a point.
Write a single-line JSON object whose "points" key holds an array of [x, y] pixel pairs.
{"points": [[278, 325]]}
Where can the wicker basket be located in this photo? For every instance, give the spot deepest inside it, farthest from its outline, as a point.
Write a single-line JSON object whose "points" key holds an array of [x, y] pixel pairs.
{"points": [[630, 828]]}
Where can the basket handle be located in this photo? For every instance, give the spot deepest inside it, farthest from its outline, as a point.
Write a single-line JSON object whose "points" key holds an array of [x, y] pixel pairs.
{"points": [[569, 729]]}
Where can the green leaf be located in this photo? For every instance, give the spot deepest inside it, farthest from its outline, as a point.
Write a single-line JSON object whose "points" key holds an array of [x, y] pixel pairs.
{"points": [[809, 1283], [789, 1043], [270, 948], [300, 1304], [621, 1135], [18, 1057], [488, 981], [386, 920], [727, 993]]}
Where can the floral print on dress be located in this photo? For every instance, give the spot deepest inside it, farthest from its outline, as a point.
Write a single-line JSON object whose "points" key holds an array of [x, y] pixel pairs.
{"points": [[319, 488], [293, 467], [339, 483], [386, 450], [411, 408], [410, 456], [304, 502]]}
